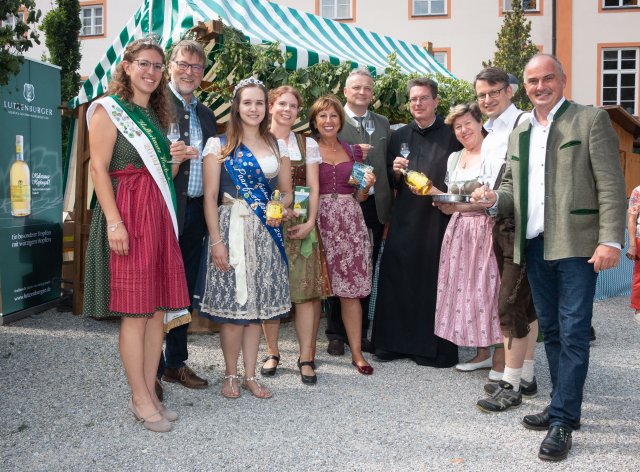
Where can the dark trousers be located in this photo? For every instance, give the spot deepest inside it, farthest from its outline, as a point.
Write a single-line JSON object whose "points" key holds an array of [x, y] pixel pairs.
{"points": [[515, 305], [335, 327], [563, 293], [191, 240]]}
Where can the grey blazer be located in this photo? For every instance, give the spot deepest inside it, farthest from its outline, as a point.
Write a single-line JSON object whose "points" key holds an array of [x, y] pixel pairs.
{"points": [[352, 134], [585, 199]]}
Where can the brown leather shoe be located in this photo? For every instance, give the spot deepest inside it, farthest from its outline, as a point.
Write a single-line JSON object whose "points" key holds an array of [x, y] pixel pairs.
{"points": [[159, 390], [185, 376]]}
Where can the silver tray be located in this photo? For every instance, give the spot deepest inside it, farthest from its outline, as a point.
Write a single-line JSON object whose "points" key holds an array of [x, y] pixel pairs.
{"points": [[451, 198]]}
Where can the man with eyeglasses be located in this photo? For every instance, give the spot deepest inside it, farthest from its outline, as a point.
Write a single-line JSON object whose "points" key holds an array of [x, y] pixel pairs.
{"points": [[403, 326], [358, 90], [186, 69], [518, 319], [565, 188]]}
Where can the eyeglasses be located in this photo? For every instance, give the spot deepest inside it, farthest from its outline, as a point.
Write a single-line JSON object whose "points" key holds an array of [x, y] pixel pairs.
{"points": [[491, 94], [185, 66], [144, 65], [415, 100]]}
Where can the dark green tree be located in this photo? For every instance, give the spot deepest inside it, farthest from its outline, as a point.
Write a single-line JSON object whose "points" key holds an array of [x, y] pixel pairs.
{"points": [[514, 49], [15, 40], [61, 27]]}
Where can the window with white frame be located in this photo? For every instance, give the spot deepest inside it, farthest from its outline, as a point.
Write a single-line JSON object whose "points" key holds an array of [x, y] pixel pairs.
{"points": [[428, 7], [527, 5], [336, 9], [92, 18], [620, 78], [441, 58], [620, 4]]}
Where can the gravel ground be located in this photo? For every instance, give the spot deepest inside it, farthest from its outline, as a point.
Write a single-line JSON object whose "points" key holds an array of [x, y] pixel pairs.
{"points": [[63, 399]]}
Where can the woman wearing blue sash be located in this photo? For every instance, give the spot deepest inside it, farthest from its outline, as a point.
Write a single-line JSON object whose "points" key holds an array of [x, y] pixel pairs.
{"points": [[246, 280], [134, 266]]}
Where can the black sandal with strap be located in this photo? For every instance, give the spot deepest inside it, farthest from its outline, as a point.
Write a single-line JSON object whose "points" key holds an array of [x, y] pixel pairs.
{"points": [[307, 379], [269, 371]]}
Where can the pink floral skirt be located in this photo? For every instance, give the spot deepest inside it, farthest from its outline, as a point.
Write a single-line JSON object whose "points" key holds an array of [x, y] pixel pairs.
{"points": [[346, 245], [468, 283]]}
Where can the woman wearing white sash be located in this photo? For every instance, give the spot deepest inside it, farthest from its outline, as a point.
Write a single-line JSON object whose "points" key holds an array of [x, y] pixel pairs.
{"points": [[245, 281], [134, 267]]}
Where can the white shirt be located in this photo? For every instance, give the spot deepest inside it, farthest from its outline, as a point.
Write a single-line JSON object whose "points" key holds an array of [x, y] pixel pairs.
{"points": [[353, 116], [537, 155], [269, 164], [494, 146], [290, 149]]}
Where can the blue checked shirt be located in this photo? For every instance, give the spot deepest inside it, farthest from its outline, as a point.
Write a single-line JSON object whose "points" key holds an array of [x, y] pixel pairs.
{"points": [[194, 187]]}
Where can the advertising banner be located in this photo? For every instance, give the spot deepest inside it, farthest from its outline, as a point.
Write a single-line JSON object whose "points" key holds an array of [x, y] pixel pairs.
{"points": [[30, 189]]}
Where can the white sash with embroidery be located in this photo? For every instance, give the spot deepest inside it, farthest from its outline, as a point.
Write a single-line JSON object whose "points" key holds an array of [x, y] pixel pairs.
{"points": [[132, 132], [140, 141]]}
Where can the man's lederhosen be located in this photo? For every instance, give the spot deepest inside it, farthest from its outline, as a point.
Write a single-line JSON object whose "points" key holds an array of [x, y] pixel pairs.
{"points": [[515, 305]]}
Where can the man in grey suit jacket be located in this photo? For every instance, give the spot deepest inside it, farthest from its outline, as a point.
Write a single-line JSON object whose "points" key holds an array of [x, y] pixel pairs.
{"points": [[564, 185], [358, 91]]}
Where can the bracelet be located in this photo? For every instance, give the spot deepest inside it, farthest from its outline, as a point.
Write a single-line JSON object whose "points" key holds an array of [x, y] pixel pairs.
{"points": [[217, 242], [112, 227]]}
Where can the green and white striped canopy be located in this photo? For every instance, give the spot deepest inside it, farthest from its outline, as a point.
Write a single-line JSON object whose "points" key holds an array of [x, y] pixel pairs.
{"points": [[307, 38]]}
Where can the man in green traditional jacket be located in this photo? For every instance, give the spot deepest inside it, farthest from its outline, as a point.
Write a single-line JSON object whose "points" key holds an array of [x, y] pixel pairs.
{"points": [[564, 185]]}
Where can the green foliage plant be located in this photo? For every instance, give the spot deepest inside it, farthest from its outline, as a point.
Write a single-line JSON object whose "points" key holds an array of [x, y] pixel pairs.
{"points": [[234, 58], [16, 40], [514, 49], [61, 26]]}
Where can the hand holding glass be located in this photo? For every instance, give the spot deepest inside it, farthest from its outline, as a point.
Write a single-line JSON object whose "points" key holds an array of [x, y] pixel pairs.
{"points": [[173, 135]]}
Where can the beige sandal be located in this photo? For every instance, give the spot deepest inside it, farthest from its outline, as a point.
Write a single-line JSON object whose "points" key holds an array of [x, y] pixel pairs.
{"points": [[235, 391], [261, 392], [160, 426]]}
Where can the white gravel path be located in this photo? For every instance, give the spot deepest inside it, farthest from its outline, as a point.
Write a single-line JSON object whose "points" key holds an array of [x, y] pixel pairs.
{"points": [[63, 399]]}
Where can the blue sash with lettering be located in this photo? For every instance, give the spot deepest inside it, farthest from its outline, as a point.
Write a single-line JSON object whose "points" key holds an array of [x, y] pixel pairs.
{"points": [[248, 177]]}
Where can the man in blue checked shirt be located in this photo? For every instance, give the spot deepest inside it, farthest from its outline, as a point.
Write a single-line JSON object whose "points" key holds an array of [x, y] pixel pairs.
{"points": [[186, 69]]}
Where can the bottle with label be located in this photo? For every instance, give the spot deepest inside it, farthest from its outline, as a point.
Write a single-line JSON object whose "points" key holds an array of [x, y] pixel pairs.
{"points": [[275, 207], [417, 181], [20, 182]]}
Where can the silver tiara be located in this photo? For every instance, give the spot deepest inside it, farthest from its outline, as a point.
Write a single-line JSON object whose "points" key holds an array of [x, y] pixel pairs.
{"points": [[247, 82]]}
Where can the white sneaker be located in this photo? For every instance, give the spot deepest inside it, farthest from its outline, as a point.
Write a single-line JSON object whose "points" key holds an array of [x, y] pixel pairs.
{"points": [[636, 317], [495, 376], [471, 366]]}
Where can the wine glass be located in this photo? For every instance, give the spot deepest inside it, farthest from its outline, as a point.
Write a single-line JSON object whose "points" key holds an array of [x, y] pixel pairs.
{"points": [[455, 182], [404, 150], [485, 178], [369, 127], [173, 135], [195, 141], [447, 181]]}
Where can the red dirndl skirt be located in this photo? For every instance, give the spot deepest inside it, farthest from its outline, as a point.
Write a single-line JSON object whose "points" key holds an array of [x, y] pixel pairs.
{"points": [[151, 277]]}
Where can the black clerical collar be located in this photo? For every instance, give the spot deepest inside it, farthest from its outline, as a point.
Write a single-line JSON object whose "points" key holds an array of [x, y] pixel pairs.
{"points": [[437, 123]]}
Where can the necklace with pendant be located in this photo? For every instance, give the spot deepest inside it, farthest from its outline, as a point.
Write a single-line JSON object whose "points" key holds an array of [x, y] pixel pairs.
{"points": [[332, 147]]}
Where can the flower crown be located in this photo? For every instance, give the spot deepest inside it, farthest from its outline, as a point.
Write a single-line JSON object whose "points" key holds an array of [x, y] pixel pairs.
{"points": [[246, 83]]}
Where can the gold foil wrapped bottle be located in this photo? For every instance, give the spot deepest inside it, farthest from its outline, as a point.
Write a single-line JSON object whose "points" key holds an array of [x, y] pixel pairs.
{"points": [[417, 181], [275, 207]]}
